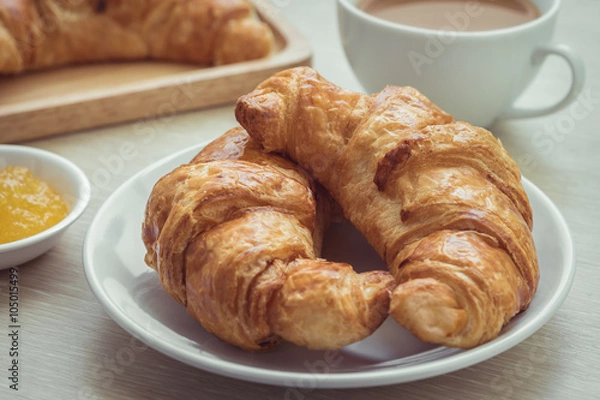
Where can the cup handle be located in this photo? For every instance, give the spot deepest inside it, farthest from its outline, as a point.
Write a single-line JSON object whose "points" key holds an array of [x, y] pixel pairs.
{"points": [[575, 63]]}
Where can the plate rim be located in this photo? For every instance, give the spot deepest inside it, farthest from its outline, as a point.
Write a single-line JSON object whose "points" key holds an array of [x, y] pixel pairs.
{"points": [[332, 380]]}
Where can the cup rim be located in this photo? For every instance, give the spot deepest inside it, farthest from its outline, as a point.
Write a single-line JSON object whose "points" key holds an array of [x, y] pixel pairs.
{"points": [[352, 8]]}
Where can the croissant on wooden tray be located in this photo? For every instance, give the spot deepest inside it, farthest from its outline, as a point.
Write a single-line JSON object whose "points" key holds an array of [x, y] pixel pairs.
{"points": [[440, 200], [234, 236], [49, 33]]}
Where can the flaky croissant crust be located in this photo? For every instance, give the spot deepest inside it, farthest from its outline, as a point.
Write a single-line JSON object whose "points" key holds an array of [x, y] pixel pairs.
{"points": [[440, 200], [235, 236], [37, 34]]}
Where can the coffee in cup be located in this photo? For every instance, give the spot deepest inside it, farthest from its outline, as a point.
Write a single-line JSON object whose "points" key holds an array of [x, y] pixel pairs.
{"points": [[435, 14], [476, 75]]}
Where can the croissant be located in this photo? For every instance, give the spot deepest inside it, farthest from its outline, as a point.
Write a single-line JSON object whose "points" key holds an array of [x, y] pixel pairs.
{"points": [[48, 33], [440, 200], [234, 236]]}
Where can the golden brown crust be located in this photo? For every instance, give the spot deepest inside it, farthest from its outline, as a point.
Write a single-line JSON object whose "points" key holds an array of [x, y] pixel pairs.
{"points": [[344, 306], [234, 269], [237, 145], [49, 33], [403, 171], [178, 214], [457, 288], [235, 235]]}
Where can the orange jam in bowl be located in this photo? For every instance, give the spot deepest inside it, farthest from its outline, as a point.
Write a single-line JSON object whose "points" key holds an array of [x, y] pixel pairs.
{"points": [[27, 205]]}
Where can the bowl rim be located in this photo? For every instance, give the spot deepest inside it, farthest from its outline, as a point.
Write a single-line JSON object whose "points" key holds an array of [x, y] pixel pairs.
{"points": [[65, 165]]}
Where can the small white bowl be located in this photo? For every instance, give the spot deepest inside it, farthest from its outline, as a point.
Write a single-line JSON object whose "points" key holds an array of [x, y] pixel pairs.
{"points": [[65, 177]]}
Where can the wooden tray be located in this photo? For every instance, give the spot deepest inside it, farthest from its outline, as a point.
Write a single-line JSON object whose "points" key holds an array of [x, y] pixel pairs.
{"points": [[45, 103]]}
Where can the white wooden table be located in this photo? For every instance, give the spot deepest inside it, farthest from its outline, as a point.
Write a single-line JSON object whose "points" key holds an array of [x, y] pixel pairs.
{"points": [[70, 349]]}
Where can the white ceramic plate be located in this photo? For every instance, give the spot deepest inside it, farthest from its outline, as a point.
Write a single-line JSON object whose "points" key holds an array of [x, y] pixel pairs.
{"points": [[134, 298]]}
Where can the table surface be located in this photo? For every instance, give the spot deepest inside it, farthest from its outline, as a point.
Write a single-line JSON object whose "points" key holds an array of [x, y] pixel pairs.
{"points": [[68, 341]]}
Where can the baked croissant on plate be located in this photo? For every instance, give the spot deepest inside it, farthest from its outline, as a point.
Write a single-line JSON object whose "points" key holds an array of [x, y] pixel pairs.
{"points": [[440, 200], [49, 33], [234, 236]]}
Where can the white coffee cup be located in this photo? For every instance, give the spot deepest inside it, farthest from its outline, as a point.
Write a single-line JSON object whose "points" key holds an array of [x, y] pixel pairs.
{"points": [[474, 75]]}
